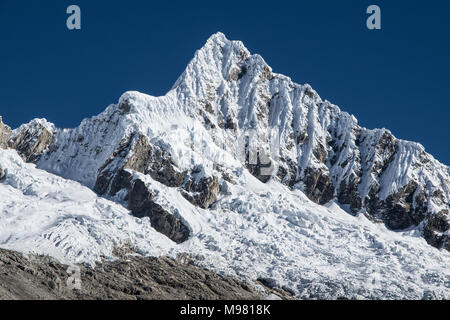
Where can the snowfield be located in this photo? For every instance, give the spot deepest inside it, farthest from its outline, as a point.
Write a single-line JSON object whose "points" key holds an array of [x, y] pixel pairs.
{"points": [[257, 231]]}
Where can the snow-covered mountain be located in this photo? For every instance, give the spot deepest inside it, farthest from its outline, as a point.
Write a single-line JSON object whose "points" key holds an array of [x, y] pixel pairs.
{"points": [[251, 173]]}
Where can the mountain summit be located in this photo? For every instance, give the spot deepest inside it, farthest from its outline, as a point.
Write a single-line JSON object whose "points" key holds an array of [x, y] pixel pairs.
{"points": [[246, 168]]}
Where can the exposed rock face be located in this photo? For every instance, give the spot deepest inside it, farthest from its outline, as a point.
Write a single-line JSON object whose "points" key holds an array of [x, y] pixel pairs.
{"points": [[140, 202], [348, 194], [318, 186], [203, 192], [260, 169], [130, 277], [434, 228], [5, 134], [313, 144], [155, 162], [32, 140], [2, 174], [397, 210], [137, 154]]}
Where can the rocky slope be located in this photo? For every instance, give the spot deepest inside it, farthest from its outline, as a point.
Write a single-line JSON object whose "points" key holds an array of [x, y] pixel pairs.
{"points": [[129, 277]]}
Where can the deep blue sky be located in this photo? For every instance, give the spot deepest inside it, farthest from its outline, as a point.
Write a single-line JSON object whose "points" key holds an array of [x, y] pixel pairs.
{"points": [[398, 78]]}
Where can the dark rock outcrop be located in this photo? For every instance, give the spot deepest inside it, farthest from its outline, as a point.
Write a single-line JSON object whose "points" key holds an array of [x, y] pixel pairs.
{"points": [[318, 186], [319, 149], [136, 153], [396, 210], [434, 228], [140, 202], [202, 192], [261, 169], [348, 194], [31, 142], [129, 277]]}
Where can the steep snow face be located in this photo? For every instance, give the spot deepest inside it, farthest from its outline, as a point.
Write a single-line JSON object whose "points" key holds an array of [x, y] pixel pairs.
{"points": [[254, 230]]}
